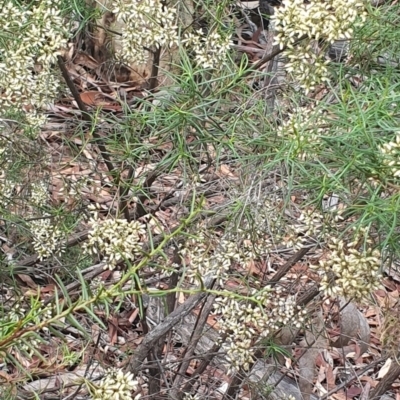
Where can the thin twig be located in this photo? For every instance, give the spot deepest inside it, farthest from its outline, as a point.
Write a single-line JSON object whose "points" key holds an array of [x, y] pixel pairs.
{"points": [[85, 115], [161, 329], [289, 264], [123, 193], [386, 382], [267, 57], [153, 81], [191, 347], [351, 379]]}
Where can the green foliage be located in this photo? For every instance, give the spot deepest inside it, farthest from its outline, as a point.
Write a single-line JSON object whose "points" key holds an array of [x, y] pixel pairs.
{"points": [[287, 166]]}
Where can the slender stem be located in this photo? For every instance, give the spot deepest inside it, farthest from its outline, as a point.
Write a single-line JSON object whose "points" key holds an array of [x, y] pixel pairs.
{"points": [[85, 115]]}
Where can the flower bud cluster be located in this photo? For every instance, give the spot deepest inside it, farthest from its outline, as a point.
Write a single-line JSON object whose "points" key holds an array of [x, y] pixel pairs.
{"points": [[148, 23], [205, 258], [28, 316], [303, 129], [191, 397], [210, 255], [391, 153], [39, 194], [116, 385], [47, 238], [255, 317], [96, 285], [34, 38], [313, 20], [6, 190], [36, 120], [356, 272], [210, 50], [114, 239], [309, 226]]}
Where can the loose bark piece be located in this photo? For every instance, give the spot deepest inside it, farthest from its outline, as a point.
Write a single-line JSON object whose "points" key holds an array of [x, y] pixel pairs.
{"points": [[264, 375], [191, 347], [353, 326], [169, 322], [316, 341]]}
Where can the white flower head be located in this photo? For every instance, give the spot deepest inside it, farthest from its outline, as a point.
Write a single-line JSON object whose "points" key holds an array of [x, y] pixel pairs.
{"points": [[116, 385]]}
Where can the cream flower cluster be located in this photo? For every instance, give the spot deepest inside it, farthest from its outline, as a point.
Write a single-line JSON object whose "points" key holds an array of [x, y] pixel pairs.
{"points": [[329, 20], [34, 38], [6, 190], [36, 120], [303, 128], [210, 51], [39, 194], [28, 315], [114, 240], [391, 156], [209, 255], [356, 272], [96, 285], [309, 225], [13, 317], [148, 23], [47, 238], [204, 258], [262, 313], [307, 67], [116, 385], [191, 397]]}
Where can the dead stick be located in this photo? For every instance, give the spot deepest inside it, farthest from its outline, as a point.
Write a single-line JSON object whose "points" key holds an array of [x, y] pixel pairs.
{"points": [[351, 379], [289, 264], [85, 115], [161, 329], [384, 385]]}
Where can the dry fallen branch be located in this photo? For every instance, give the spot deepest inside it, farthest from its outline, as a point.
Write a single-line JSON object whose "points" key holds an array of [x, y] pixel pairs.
{"points": [[164, 327], [386, 382]]}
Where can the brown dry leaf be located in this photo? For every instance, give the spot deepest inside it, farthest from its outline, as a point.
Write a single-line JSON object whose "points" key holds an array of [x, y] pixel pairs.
{"points": [[369, 380], [330, 377], [70, 170], [48, 289], [389, 284], [133, 316], [371, 312], [86, 60], [96, 99], [353, 391], [112, 329], [341, 395], [224, 171], [254, 268], [29, 281], [93, 98], [95, 332], [5, 377]]}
